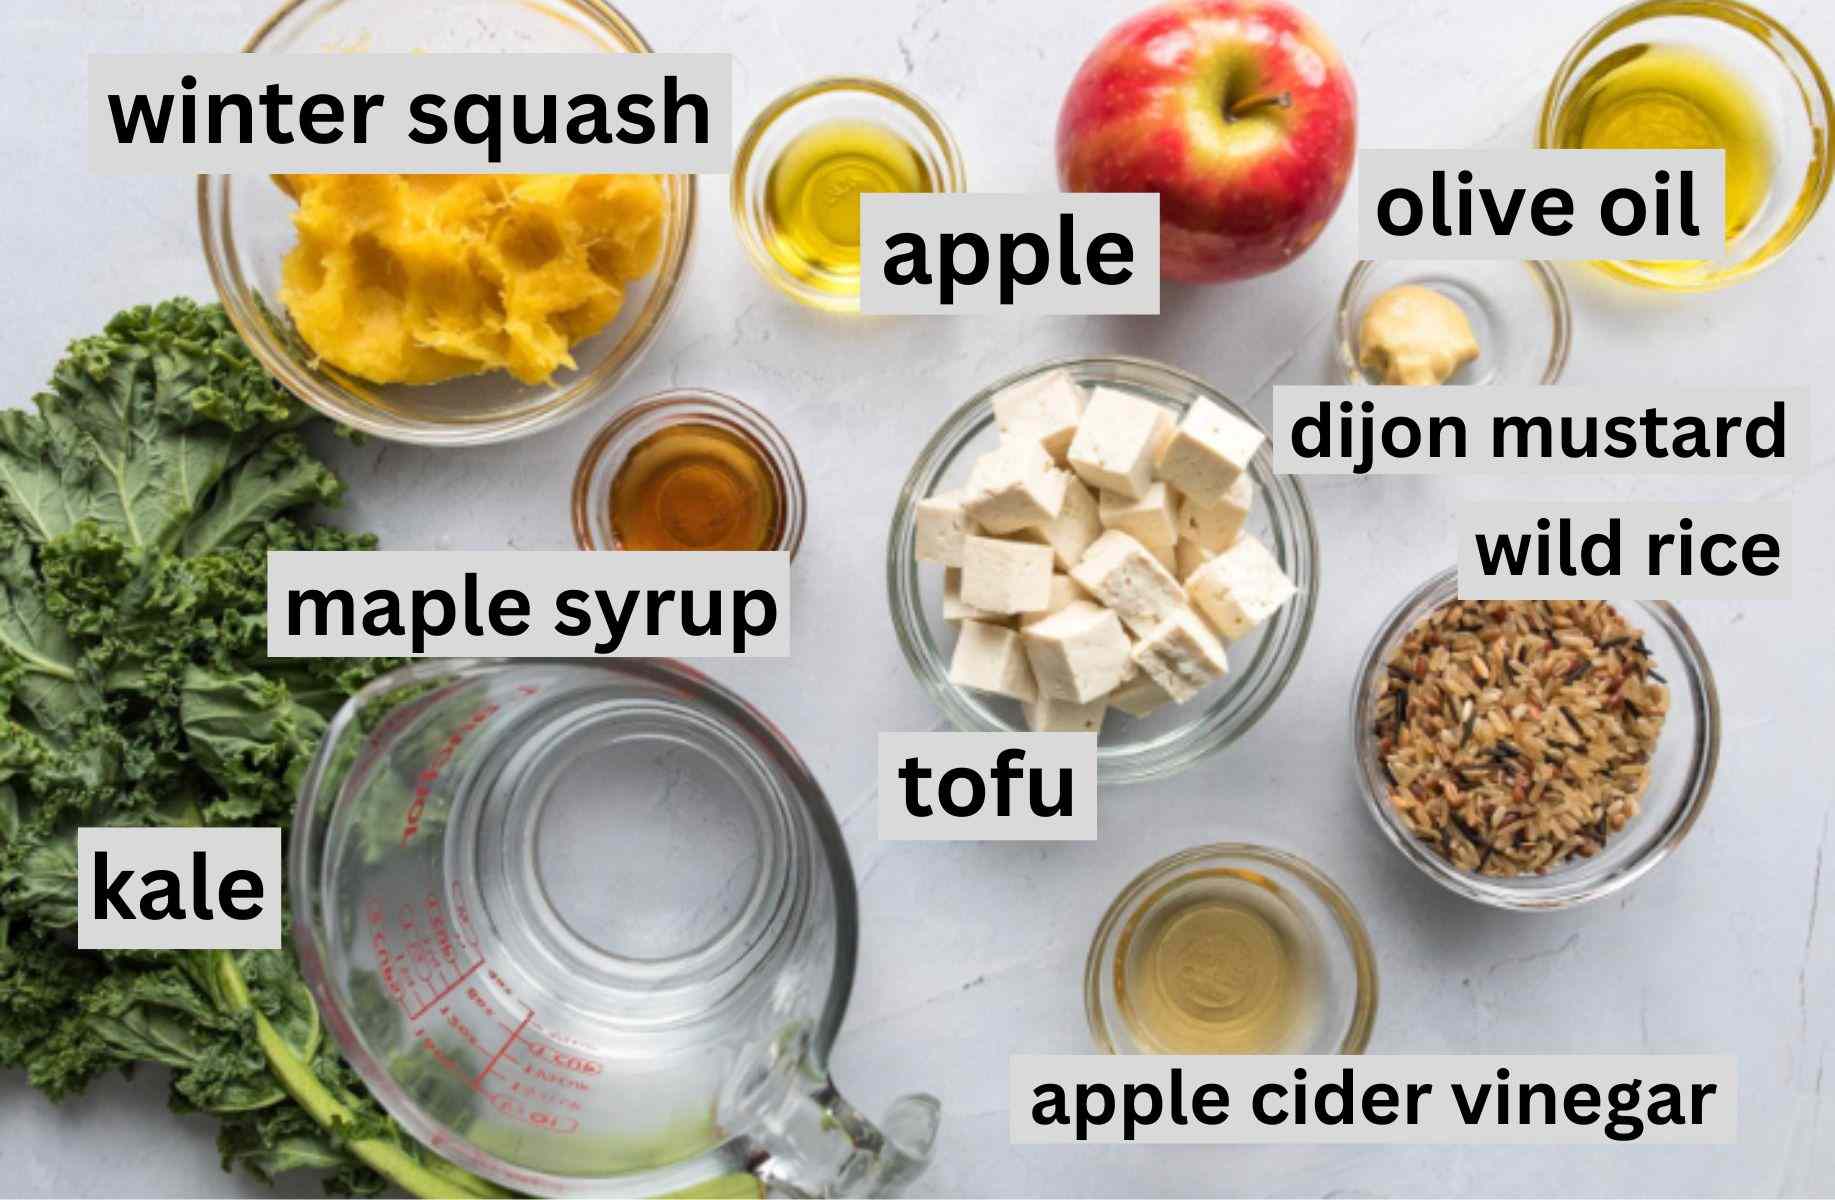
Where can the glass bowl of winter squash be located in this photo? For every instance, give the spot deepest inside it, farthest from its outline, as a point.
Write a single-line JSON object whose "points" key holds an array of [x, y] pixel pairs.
{"points": [[1101, 544]]}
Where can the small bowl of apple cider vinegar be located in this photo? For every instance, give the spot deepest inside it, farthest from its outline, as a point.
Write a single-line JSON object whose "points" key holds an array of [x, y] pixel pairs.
{"points": [[1703, 75], [1231, 949], [806, 161], [689, 470]]}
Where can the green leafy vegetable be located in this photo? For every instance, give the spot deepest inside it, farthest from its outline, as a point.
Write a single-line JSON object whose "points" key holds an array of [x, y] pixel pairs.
{"points": [[137, 506]]}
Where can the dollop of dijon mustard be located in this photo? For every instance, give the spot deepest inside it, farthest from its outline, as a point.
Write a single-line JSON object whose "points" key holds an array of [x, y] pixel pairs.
{"points": [[420, 278], [1415, 335]]}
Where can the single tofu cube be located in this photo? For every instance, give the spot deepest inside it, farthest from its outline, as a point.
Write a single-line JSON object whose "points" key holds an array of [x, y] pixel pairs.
{"points": [[1048, 714], [1046, 409], [1116, 442], [942, 523], [1190, 556], [1209, 451], [1141, 696], [1013, 486], [1214, 524], [1240, 588], [1064, 590], [1077, 653], [1005, 577], [1069, 534], [1127, 577], [989, 658], [1152, 519], [1181, 654], [1169, 425], [954, 609]]}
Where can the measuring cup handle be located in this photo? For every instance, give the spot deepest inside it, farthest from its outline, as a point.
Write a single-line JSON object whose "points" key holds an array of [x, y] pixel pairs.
{"points": [[820, 1145]]}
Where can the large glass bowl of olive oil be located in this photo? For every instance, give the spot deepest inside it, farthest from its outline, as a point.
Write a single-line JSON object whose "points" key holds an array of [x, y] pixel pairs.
{"points": [[804, 164], [1703, 75]]}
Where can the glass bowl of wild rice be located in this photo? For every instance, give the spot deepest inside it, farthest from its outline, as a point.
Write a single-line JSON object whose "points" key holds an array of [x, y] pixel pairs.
{"points": [[1534, 754]]}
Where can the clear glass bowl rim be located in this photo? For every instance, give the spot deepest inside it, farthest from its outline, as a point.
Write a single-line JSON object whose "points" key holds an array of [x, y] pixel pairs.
{"points": [[1553, 290], [1160, 759], [1558, 889], [236, 295], [1357, 937], [703, 407], [752, 238], [1761, 26]]}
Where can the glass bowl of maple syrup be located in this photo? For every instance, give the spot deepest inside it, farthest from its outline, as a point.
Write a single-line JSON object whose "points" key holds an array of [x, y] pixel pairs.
{"points": [[803, 165], [688, 469]]}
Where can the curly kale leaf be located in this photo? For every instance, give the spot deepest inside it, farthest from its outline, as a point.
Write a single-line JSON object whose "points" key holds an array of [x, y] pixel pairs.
{"points": [[137, 507], [138, 424]]}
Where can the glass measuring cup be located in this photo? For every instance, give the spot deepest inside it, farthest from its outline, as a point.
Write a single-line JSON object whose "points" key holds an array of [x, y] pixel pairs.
{"points": [[588, 928]]}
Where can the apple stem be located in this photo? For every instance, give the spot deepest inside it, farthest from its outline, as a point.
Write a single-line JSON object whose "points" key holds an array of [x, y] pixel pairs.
{"points": [[1250, 105]]}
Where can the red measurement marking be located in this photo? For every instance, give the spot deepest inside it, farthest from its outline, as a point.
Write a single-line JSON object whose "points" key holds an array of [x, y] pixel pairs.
{"points": [[444, 992], [508, 1042], [436, 766]]}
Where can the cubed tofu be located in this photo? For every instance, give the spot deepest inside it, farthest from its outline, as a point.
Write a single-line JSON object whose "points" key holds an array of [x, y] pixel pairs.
{"points": [[1190, 556], [1077, 653], [1046, 409], [989, 658], [1214, 524], [1181, 654], [1151, 519], [1208, 452], [1117, 441], [1168, 557], [1070, 533], [1240, 588], [1141, 696], [1013, 486], [954, 609], [1127, 577], [1064, 590], [1048, 714], [1005, 577], [942, 523]]}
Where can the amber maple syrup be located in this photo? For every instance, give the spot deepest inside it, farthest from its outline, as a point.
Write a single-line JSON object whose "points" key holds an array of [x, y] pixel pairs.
{"points": [[696, 486]]}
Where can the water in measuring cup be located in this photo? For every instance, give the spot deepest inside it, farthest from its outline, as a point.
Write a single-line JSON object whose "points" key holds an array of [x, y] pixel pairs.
{"points": [[574, 911]]}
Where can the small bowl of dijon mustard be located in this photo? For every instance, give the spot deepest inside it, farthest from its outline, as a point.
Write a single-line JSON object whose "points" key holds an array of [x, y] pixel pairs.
{"points": [[1453, 322]]}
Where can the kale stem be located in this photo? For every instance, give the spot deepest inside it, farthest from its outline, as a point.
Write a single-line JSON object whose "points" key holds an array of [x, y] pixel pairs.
{"points": [[383, 1156]]}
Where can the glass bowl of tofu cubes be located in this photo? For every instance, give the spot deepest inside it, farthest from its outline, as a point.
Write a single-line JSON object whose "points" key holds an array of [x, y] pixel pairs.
{"points": [[1101, 544]]}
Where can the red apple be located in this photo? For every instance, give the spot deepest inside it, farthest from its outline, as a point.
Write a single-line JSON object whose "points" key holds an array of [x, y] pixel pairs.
{"points": [[1239, 113]]}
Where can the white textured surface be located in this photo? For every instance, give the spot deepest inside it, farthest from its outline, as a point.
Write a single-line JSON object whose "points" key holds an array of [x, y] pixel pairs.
{"points": [[975, 951]]}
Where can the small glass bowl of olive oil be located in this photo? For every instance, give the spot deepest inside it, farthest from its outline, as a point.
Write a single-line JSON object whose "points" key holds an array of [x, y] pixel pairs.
{"points": [[803, 166], [1231, 949], [1704, 75], [689, 470]]}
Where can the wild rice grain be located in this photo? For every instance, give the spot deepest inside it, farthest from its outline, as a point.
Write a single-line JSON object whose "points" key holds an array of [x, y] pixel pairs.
{"points": [[1517, 735]]}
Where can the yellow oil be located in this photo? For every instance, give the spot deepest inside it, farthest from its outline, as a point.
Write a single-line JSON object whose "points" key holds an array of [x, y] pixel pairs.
{"points": [[1670, 97], [812, 197], [1219, 961]]}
